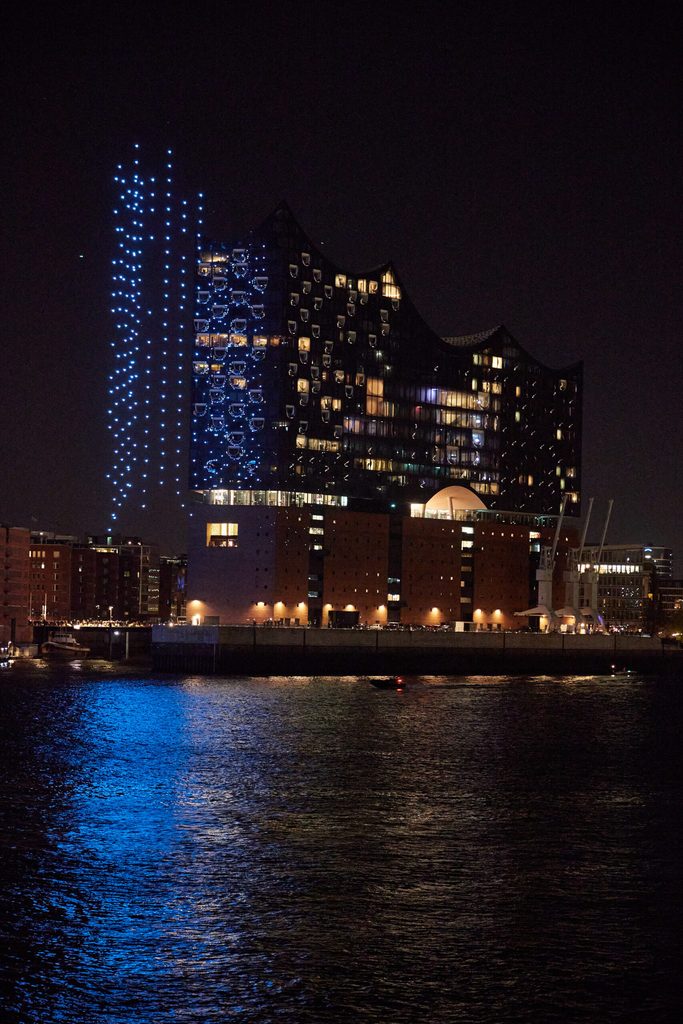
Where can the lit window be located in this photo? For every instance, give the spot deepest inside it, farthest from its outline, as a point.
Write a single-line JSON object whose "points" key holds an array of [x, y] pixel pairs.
{"points": [[389, 286], [340, 280], [221, 535], [304, 344], [497, 362]]}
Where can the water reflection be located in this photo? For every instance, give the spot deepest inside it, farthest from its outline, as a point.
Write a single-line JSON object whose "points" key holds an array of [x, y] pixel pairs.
{"points": [[316, 850]]}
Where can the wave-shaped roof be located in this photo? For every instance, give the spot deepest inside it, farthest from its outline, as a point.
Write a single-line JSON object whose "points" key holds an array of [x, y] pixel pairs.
{"points": [[283, 217], [472, 340]]}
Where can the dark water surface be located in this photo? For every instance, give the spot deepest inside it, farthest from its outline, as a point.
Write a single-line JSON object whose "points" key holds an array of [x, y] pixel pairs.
{"points": [[313, 850]]}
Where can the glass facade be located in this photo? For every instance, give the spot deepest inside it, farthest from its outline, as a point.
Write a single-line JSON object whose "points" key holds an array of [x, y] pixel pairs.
{"points": [[307, 378]]}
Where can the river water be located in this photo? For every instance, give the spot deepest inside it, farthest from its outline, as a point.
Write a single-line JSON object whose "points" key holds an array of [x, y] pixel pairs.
{"points": [[313, 850]]}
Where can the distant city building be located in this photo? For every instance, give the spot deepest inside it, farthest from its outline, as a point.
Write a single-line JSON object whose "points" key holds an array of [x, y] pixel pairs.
{"points": [[172, 588], [661, 559], [628, 578], [669, 599], [327, 416], [50, 576], [108, 577], [14, 595], [95, 583], [138, 570]]}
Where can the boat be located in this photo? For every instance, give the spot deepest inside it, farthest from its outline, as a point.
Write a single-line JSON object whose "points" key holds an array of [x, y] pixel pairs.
{"points": [[64, 647], [388, 683]]}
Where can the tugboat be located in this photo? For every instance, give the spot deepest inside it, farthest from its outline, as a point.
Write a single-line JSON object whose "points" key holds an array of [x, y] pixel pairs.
{"points": [[63, 647], [388, 683]]}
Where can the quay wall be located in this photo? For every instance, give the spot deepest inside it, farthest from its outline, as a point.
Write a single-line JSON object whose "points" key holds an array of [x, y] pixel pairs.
{"points": [[240, 650]]}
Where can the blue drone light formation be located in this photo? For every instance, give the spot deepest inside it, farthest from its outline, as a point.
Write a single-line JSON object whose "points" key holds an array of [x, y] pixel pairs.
{"points": [[156, 237]]}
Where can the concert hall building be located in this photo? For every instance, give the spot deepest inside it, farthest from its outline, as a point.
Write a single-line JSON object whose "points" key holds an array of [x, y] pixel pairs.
{"points": [[344, 456]]}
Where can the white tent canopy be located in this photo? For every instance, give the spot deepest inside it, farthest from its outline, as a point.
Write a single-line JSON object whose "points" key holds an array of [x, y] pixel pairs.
{"points": [[540, 609]]}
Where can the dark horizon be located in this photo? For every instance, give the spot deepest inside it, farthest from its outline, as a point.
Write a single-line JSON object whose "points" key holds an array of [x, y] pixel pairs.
{"points": [[514, 171]]}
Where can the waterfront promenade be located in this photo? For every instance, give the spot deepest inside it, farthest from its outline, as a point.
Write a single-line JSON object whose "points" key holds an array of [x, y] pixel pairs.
{"points": [[309, 651]]}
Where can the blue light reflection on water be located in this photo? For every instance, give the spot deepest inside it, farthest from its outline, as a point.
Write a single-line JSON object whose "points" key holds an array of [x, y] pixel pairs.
{"points": [[299, 850]]}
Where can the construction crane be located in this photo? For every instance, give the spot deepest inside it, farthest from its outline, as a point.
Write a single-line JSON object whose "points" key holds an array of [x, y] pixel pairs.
{"points": [[545, 571], [590, 579], [544, 578]]}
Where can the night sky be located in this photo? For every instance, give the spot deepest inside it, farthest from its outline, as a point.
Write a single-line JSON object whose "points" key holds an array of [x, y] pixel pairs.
{"points": [[517, 168]]}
